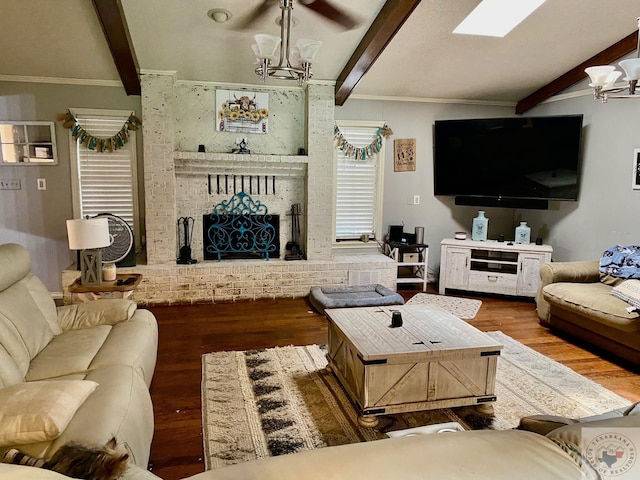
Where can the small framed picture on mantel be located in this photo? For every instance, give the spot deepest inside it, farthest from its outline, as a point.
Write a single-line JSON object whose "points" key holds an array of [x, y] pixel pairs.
{"points": [[636, 169], [404, 155]]}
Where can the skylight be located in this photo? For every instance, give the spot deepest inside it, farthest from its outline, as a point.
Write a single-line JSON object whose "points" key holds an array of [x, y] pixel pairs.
{"points": [[496, 18]]}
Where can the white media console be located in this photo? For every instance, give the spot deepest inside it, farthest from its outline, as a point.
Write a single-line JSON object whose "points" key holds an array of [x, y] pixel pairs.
{"points": [[492, 266]]}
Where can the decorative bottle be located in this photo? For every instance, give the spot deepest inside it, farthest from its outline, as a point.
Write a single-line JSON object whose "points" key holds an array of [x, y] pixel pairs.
{"points": [[523, 233], [480, 227]]}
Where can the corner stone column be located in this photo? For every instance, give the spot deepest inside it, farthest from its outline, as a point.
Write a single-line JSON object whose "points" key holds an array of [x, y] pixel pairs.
{"points": [[320, 176], [158, 120]]}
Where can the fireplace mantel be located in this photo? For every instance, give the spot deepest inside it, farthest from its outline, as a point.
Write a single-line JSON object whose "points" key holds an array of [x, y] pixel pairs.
{"points": [[195, 163]]}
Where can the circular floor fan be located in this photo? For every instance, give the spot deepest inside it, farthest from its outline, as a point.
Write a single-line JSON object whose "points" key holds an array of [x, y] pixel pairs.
{"points": [[121, 239]]}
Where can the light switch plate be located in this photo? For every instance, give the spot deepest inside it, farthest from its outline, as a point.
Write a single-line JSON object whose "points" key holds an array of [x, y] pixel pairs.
{"points": [[42, 184], [10, 184]]}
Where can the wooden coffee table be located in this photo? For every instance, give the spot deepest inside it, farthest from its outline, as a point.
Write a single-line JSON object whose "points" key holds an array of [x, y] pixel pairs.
{"points": [[434, 360]]}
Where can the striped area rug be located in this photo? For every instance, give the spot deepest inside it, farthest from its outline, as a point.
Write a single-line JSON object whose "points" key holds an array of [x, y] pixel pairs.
{"points": [[275, 401]]}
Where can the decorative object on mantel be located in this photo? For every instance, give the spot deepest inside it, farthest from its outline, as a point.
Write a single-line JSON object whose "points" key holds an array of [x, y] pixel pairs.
{"points": [[242, 111], [185, 236], [100, 144], [603, 77], [241, 227], [294, 246], [259, 183], [362, 152], [241, 148], [404, 155]]}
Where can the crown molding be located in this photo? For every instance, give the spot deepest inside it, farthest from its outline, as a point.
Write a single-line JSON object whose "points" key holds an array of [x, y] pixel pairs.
{"points": [[461, 101], [93, 82]]}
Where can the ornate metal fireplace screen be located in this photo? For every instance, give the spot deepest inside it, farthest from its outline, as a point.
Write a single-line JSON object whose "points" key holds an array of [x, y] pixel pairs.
{"points": [[241, 228]]}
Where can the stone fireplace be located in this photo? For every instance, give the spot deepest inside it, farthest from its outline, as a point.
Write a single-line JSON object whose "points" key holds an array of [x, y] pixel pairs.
{"points": [[179, 181]]}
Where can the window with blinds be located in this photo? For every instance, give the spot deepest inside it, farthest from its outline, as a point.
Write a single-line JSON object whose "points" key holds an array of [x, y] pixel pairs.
{"points": [[105, 182], [358, 198]]}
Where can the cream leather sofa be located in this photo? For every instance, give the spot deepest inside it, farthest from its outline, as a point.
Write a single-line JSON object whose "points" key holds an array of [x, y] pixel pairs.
{"points": [[74, 373], [555, 452]]}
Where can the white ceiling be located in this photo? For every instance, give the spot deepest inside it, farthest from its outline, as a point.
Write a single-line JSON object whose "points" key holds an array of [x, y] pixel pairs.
{"points": [[63, 39]]}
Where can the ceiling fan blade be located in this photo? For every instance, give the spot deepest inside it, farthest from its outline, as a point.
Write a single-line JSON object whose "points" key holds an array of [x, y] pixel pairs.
{"points": [[247, 21], [335, 14]]}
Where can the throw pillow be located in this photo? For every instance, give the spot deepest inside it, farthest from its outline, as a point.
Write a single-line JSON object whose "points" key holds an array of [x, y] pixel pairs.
{"points": [[619, 261], [40, 411], [629, 291], [97, 312]]}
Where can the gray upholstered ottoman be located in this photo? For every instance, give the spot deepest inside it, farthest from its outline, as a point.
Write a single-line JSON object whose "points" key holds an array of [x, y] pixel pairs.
{"points": [[354, 296]]}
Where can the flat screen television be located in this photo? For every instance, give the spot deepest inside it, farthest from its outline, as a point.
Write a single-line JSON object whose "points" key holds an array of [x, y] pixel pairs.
{"points": [[519, 162]]}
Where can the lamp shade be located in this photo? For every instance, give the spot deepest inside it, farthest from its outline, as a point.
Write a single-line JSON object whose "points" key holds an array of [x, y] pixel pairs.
{"points": [[632, 68], [308, 49], [599, 75], [266, 45], [88, 233]]}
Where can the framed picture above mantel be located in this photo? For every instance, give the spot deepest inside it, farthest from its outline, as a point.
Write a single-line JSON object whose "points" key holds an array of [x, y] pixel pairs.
{"points": [[242, 111]]}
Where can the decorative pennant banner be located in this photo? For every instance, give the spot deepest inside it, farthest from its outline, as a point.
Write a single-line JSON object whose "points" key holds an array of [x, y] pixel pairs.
{"points": [[100, 144], [361, 153]]}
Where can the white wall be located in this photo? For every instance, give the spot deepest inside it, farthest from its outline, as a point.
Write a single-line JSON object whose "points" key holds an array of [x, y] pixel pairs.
{"points": [[438, 215], [607, 209], [605, 214], [35, 218]]}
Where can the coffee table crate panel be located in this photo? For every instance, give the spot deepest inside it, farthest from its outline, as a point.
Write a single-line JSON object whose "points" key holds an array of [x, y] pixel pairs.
{"points": [[435, 360]]}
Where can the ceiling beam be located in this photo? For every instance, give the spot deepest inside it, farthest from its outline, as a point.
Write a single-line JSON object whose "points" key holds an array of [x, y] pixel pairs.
{"points": [[576, 74], [388, 22], [111, 17]]}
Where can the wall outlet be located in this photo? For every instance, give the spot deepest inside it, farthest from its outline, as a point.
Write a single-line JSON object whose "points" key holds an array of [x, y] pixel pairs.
{"points": [[10, 184]]}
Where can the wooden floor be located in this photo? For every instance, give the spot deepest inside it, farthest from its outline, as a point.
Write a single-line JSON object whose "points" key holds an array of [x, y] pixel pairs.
{"points": [[187, 332]]}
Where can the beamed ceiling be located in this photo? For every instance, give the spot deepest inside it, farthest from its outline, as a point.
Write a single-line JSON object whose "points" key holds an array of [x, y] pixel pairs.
{"points": [[401, 48]]}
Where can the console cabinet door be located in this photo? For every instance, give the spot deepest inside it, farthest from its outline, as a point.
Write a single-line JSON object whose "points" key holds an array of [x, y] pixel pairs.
{"points": [[457, 266], [529, 274]]}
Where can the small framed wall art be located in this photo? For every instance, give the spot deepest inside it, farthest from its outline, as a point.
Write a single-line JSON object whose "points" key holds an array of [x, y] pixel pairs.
{"points": [[404, 155], [636, 169]]}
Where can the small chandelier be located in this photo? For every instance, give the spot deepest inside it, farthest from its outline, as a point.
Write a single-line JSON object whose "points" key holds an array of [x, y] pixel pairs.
{"points": [[603, 78], [294, 63]]}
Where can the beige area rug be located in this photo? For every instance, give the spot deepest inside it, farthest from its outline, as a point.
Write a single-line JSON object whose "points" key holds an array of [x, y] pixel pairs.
{"points": [[465, 308], [269, 402]]}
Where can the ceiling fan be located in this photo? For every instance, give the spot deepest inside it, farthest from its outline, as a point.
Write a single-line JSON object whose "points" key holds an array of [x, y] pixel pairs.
{"points": [[321, 7]]}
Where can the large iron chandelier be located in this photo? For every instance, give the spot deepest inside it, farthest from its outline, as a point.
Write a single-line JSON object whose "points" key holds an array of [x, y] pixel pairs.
{"points": [[603, 78], [294, 63]]}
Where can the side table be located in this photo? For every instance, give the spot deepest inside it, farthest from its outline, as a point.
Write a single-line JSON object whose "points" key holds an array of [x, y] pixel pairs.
{"points": [[123, 286]]}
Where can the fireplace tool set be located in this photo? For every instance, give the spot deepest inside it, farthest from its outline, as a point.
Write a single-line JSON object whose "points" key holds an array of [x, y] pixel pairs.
{"points": [[185, 236], [294, 246]]}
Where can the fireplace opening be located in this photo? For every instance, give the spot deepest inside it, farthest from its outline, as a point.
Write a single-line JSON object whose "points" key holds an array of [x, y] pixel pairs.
{"points": [[240, 228]]}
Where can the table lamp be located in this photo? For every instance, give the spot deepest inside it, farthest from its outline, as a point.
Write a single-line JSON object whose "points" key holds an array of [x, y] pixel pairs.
{"points": [[89, 236]]}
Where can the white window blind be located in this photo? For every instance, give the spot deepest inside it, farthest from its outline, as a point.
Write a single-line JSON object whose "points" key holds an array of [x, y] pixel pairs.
{"points": [[357, 200], [106, 180]]}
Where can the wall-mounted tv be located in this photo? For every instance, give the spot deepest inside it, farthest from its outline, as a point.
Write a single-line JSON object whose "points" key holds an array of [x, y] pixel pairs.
{"points": [[519, 162]]}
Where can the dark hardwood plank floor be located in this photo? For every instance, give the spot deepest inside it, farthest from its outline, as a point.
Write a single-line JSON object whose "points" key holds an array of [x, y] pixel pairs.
{"points": [[187, 332]]}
